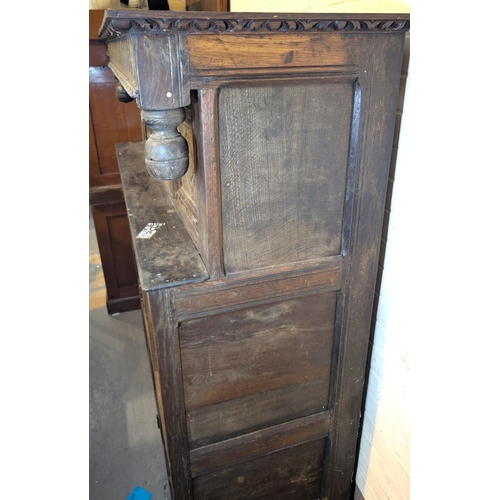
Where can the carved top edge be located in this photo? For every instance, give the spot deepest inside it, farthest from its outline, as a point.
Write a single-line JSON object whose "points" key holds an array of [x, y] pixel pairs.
{"points": [[118, 23]]}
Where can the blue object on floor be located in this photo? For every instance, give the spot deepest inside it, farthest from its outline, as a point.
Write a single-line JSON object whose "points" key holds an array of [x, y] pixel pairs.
{"points": [[139, 493]]}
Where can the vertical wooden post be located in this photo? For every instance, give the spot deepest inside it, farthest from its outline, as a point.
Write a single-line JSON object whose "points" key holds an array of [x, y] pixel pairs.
{"points": [[163, 338], [154, 70]]}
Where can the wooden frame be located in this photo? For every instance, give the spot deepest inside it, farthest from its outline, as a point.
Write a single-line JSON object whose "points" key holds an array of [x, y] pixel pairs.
{"points": [[259, 359]]}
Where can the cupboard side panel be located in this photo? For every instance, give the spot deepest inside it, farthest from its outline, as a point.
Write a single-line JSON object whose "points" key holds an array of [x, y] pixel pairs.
{"points": [[283, 163]]}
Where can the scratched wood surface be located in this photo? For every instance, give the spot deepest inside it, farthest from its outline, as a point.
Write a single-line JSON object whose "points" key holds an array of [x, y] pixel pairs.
{"points": [[379, 77], [229, 419], [259, 286], [259, 358], [205, 128], [254, 444], [154, 220], [184, 189], [289, 50], [247, 352], [290, 474], [283, 162]]}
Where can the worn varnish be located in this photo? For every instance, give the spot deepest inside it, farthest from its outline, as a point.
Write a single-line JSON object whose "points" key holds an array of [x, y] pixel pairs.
{"points": [[290, 474], [284, 202], [161, 266], [258, 276], [211, 424], [251, 351], [290, 50]]}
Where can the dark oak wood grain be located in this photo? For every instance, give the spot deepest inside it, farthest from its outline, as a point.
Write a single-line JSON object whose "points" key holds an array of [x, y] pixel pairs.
{"points": [[259, 286], [205, 122], [291, 50], [245, 352], [228, 419], [284, 202], [164, 340], [258, 279], [257, 444], [184, 190], [378, 92], [120, 23], [291, 474]]}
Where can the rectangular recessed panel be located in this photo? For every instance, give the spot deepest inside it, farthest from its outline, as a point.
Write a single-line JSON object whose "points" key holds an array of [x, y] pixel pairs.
{"points": [[246, 370], [291, 474], [283, 163]]}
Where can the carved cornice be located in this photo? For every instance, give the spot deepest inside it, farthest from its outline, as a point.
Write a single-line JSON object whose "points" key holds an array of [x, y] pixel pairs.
{"points": [[120, 23]]}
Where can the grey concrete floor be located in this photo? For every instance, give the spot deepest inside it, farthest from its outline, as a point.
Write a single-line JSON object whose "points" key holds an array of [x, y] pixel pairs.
{"points": [[125, 447]]}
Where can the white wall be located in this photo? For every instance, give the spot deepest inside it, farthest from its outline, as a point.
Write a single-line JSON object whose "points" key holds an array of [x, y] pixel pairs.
{"points": [[384, 457]]}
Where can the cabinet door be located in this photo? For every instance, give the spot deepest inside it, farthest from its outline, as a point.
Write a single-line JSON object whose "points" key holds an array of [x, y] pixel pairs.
{"points": [[115, 248]]}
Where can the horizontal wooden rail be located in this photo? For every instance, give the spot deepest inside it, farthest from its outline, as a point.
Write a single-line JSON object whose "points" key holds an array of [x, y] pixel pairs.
{"points": [[256, 444], [260, 285]]}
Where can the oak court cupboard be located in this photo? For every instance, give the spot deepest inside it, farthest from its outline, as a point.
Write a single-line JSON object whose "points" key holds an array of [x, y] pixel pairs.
{"points": [[256, 207]]}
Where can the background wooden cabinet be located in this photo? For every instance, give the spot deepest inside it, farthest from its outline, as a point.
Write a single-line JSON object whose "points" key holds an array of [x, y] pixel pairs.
{"points": [[110, 122]]}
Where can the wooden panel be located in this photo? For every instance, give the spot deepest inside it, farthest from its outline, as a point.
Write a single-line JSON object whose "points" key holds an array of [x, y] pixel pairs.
{"points": [[289, 50], [232, 418], [292, 125], [205, 124], [115, 249], [250, 351], [257, 444], [121, 247], [261, 285], [162, 86], [184, 189], [291, 474], [283, 162]]}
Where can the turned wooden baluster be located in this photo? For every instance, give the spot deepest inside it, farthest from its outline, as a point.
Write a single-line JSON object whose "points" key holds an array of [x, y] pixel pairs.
{"points": [[154, 71], [166, 151]]}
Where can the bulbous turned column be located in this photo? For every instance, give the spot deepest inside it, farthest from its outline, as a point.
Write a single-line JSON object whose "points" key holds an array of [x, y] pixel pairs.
{"points": [[166, 151]]}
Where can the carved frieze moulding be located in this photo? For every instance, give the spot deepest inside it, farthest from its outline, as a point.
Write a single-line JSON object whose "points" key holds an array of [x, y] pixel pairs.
{"points": [[150, 57], [116, 24]]}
